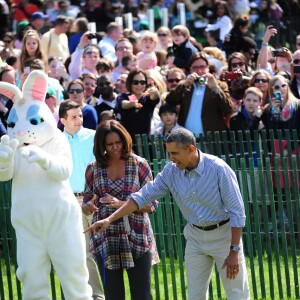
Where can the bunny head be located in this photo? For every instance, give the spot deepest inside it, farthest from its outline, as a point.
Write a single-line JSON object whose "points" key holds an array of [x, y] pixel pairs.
{"points": [[30, 120]]}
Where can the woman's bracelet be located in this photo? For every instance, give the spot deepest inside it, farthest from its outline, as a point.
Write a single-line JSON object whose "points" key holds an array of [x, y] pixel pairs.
{"points": [[265, 44]]}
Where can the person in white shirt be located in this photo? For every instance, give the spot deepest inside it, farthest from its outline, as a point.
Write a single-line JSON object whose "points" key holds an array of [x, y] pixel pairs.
{"points": [[107, 45]]}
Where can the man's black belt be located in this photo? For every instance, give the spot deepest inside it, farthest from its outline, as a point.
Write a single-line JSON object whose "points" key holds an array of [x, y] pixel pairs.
{"points": [[78, 194], [212, 227]]}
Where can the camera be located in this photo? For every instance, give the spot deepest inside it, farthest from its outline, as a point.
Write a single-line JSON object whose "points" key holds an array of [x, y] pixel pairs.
{"points": [[278, 52], [92, 36], [200, 80]]}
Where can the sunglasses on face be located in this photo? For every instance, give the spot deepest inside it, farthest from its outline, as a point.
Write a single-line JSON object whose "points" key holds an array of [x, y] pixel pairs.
{"points": [[173, 80], [298, 44], [239, 64], [271, 61], [136, 82], [296, 61], [278, 87], [7, 41], [258, 80], [102, 84], [75, 91], [162, 34]]}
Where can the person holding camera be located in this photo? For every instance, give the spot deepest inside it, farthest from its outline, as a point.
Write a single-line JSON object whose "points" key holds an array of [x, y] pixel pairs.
{"points": [[295, 72], [204, 101], [90, 55]]}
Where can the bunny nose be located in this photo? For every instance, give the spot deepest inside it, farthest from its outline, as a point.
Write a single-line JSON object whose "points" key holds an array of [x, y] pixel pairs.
{"points": [[20, 132]]}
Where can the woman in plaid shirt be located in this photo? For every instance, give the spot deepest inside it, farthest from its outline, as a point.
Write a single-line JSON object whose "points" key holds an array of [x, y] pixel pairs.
{"points": [[129, 242]]}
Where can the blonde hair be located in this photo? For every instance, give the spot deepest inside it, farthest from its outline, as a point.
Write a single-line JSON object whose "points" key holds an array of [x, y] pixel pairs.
{"points": [[216, 53], [290, 96], [148, 35], [158, 80], [24, 56], [255, 91]]}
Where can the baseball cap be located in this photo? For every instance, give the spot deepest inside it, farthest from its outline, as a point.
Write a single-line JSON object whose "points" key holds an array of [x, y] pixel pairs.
{"points": [[22, 25], [38, 15], [50, 93]]}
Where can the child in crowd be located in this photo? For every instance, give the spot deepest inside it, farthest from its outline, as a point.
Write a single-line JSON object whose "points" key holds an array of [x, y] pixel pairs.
{"points": [[249, 118], [31, 49], [130, 62], [147, 58], [168, 114], [104, 65], [182, 49]]}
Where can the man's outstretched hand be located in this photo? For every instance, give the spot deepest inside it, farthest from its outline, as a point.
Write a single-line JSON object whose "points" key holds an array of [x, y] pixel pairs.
{"points": [[98, 226]]}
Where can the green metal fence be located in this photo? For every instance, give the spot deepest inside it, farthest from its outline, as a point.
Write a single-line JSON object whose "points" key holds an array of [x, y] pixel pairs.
{"points": [[269, 184]]}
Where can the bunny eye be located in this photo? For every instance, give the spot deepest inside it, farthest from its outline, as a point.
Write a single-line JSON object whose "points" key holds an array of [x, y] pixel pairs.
{"points": [[11, 125], [36, 121]]}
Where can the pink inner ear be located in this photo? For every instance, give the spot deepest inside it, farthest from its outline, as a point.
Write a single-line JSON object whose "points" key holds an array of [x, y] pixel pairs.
{"points": [[7, 93], [39, 89]]}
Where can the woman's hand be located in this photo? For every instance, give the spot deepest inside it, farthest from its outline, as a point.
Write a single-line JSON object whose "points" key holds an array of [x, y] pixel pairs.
{"points": [[152, 92], [111, 201], [89, 207], [98, 226], [270, 31]]}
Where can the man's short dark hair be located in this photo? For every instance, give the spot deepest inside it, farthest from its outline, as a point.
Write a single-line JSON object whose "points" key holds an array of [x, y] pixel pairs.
{"points": [[65, 106], [247, 43], [196, 56], [182, 137], [60, 19]]}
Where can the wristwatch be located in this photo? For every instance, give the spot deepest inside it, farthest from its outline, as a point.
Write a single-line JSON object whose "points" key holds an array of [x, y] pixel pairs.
{"points": [[235, 248]]}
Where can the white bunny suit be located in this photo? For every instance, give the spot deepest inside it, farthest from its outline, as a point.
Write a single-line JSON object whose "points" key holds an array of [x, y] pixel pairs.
{"points": [[45, 213]]}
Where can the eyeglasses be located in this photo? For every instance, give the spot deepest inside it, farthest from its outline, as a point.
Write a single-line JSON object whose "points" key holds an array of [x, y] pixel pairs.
{"points": [[102, 84], [91, 54], [162, 34], [239, 64], [258, 80], [123, 48], [272, 61], [296, 61], [75, 91], [173, 80], [278, 87], [121, 81], [136, 82], [199, 67], [7, 41]]}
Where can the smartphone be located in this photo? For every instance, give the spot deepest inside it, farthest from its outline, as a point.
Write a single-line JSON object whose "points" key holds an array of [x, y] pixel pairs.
{"points": [[296, 69], [232, 76], [272, 24], [92, 36], [277, 95], [26, 70]]}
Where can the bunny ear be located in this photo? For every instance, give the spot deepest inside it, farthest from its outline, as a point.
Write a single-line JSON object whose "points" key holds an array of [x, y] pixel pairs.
{"points": [[10, 91], [35, 86]]}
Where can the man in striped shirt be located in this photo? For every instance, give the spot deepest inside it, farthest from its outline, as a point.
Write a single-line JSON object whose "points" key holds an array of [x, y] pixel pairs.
{"points": [[207, 193]]}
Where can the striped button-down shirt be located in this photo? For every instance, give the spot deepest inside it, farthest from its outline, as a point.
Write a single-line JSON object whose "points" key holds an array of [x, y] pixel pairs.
{"points": [[205, 195]]}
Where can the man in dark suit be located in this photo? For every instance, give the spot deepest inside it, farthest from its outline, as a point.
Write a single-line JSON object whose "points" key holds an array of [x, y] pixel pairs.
{"points": [[204, 101]]}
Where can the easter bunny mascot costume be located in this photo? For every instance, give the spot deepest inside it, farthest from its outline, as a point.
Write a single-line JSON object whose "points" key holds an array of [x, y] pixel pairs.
{"points": [[44, 213]]}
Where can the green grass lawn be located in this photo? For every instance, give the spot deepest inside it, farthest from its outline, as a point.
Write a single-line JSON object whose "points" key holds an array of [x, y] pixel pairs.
{"points": [[172, 288]]}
